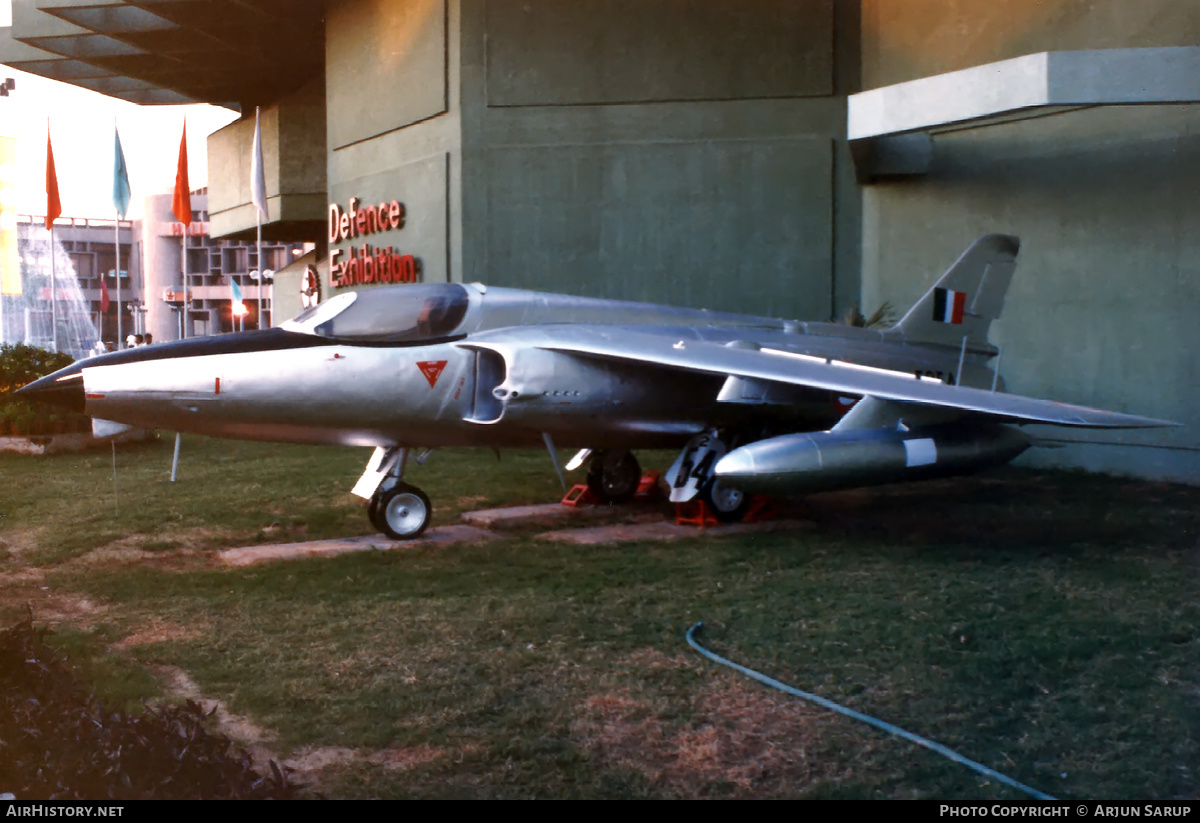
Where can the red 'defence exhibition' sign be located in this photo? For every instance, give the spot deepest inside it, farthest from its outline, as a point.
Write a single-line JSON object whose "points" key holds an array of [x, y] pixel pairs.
{"points": [[366, 264]]}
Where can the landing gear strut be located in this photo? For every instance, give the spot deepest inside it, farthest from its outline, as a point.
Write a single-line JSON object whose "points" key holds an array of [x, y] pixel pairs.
{"points": [[613, 476], [691, 477], [397, 509]]}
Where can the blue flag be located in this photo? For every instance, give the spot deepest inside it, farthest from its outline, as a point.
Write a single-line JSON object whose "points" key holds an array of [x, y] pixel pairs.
{"points": [[237, 291], [120, 177]]}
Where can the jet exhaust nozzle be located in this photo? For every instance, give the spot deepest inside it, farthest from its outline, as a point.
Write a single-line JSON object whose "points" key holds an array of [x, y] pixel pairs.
{"points": [[823, 461]]}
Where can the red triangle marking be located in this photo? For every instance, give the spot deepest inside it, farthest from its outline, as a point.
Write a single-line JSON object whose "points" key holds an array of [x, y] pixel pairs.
{"points": [[432, 369]]}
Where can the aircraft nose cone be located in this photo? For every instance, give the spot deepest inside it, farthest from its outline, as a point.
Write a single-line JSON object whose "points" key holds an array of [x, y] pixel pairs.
{"points": [[63, 388]]}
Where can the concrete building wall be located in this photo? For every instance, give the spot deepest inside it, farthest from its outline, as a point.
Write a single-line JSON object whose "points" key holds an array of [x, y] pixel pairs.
{"points": [[906, 39], [393, 130], [161, 258], [680, 152], [628, 51], [1102, 310], [294, 167], [391, 55], [590, 147]]}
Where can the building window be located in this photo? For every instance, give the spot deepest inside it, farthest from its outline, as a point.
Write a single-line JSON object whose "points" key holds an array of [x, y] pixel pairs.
{"points": [[85, 265], [197, 261], [235, 260]]}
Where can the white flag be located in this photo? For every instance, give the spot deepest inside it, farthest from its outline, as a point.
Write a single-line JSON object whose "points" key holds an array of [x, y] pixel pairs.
{"points": [[258, 180]]}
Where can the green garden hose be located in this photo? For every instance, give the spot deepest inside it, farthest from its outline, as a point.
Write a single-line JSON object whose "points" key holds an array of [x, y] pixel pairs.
{"points": [[872, 721]]}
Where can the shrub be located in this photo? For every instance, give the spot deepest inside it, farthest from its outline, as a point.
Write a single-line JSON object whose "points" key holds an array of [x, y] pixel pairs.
{"points": [[21, 364], [60, 743]]}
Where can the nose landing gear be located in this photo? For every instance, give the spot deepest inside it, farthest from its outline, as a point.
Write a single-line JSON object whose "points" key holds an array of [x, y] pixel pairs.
{"points": [[399, 510], [402, 512]]}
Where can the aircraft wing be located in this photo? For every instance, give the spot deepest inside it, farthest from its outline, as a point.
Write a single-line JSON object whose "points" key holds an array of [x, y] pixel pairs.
{"points": [[675, 351]]}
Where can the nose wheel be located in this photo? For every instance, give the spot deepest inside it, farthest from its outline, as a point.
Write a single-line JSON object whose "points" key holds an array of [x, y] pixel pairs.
{"points": [[728, 505], [402, 512]]}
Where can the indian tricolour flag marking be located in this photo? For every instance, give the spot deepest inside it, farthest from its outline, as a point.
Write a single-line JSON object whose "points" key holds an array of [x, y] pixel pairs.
{"points": [[948, 306]]}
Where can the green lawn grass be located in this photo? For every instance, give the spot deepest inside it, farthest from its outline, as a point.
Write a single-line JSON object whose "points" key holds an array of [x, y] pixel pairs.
{"points": [[234, 493], [1047, 625]]}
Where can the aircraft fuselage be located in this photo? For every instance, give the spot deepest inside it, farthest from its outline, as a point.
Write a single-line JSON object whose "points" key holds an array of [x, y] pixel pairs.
{"points": [[465, 383], [759, 404], [443, 394]]}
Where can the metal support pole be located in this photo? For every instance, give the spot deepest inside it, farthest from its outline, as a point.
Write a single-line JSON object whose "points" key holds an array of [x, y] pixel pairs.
{"points": [[962, 359], [117, 245], [175, 459], [183, 315], [261, 267], [53, 295]]}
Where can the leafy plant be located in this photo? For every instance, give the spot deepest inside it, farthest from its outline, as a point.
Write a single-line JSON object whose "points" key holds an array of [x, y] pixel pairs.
{"points": [[882, 317], [61, 743], [19, 365]]}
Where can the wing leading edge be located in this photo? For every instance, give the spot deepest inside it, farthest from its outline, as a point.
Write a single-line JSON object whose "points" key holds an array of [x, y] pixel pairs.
{"points": [[698, 356]]}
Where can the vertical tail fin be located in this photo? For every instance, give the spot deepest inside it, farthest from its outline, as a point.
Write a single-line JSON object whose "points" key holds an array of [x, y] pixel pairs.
{"points": [[967, 298]]}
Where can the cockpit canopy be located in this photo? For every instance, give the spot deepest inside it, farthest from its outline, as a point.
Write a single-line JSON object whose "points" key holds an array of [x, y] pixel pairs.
{"points": [[395, 314]]}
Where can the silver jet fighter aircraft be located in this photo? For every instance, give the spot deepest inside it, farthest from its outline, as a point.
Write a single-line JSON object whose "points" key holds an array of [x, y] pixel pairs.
{"points": [[755, 404]]}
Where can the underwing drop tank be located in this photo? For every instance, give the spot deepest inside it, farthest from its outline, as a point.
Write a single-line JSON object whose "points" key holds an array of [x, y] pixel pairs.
{"points": [[822, 461]]}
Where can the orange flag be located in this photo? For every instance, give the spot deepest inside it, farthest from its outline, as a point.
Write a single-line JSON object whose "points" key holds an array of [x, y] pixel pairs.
{"points": [[182, 204], [53, 204]]}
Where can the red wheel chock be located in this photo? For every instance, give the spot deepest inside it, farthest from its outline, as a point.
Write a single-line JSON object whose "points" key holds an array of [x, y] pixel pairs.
{"points": [[762, 507], [648, 488], [581, 495], [695, 513], [698, 513]]}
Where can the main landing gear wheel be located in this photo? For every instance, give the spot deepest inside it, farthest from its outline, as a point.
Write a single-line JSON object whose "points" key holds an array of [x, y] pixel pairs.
{"points": [[729, 505], [373, 510], [614, 476], [401, 512]]}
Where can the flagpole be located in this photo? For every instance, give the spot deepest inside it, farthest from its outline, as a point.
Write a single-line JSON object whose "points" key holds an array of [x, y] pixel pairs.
{"points": [[120, 203], [53, 209], [117, 243], [258, 195], [183, 317], [53, 293], [261, 268], [181, 206]]}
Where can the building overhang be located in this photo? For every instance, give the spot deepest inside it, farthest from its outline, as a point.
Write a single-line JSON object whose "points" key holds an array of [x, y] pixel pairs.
{"points": [[891, 128], [232, 53]]}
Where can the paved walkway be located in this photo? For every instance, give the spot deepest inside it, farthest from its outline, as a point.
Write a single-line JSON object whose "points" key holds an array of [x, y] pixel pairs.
{"points": [[443, 535], [649, 524]]}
